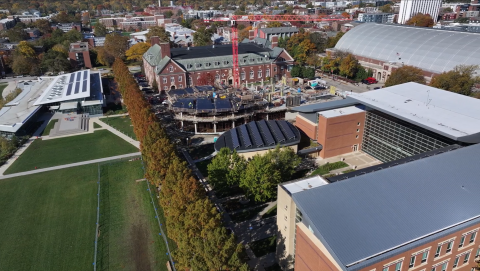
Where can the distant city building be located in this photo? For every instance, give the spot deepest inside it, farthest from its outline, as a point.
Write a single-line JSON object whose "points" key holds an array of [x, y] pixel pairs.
{"points": [[80, 55], [135, 23], [33, 32], [409, 8], [6, 24], [380, 18], [93, 41], [65, 27]]}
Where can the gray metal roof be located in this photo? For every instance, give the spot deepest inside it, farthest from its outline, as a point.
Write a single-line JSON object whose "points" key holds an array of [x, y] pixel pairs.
{"points": [[384, 213], [275, 30], [447, 113], [325, 105], [313, 117], [430, 49]]}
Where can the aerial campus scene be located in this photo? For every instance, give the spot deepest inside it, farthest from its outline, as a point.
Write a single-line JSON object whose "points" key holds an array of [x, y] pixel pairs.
{"points": [[240, 135]]}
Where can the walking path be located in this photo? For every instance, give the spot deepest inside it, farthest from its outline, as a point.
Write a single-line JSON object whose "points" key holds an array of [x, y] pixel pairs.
{"points": [[118, 133], [243, 231], [70, 165]]}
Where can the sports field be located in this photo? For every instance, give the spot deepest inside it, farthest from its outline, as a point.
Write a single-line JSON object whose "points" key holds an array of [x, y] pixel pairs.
{"points": [[47, 220], [66, 150], [129, 232]]}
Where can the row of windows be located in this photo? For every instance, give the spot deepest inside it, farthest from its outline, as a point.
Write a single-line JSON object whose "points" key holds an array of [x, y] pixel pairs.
{"points": [[423, 256], [172, 79], [167, 88], [259, 74]]}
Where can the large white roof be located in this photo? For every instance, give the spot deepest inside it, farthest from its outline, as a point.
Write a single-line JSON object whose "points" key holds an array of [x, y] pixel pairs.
{"points": [[343, 111], [449, 114], [17, 112], [67, 87], [305, 184]]}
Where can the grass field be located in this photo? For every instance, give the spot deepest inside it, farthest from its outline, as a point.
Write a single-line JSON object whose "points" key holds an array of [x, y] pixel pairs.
{"points": [[48, 220], [54, 152], [122, 124], [2, 88], [49, 127], [96, 125], [129, 233]]}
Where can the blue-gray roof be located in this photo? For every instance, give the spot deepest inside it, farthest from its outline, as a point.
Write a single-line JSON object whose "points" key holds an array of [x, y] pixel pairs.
{"points": [[368, 218], [325, 106]]}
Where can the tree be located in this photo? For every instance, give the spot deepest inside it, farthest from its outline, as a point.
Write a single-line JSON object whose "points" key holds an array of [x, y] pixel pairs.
{"points": [[448, 10], [284, 161], [17, 33], [218, 169], [361, 74], [309, 5], [179, 13], [314, 60], [308, 73], [332, 41], [158, 31], [55, 61], [44, 26], [243, 34], [168, 14], [274, 24], [21, 65], [103, 57], [116, 45], [100, 30], [25, 49], [386, 8], [261, 179], [459, 80], [420, 19], [349, 66], [137, 50], [72, 36], [319, 40], [296, 71], [202, 37], [345, 15], [462, 20], [405, 74]]}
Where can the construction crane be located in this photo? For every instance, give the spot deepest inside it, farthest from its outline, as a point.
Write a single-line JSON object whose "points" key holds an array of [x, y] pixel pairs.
{"points": [[263, 18]]}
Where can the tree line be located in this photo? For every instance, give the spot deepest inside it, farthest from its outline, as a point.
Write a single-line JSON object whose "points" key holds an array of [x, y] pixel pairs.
{"points": [[192, 221], [258, 177]]}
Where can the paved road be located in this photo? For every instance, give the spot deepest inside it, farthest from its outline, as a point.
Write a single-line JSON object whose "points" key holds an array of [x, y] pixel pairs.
{"points": [[70, 165], [340, 85], [26, 78]]}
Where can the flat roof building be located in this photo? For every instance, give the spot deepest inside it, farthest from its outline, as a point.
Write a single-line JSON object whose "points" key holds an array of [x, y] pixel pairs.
{"points": [[419, 215], [392, 123]]}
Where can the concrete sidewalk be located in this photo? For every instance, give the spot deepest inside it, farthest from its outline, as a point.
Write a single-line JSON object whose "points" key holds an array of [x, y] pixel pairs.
{"points": [[70, 165]]}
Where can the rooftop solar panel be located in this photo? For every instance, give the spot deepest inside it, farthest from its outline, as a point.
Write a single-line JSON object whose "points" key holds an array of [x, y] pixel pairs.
{"points": [[84, 87], [189, 90], [267, 135], [287, 130], [256, 134], [205, 105], [77, 87], [222, 104], [235, 141], [70, 84], [85, 74], [276, 131], [246, 138]]}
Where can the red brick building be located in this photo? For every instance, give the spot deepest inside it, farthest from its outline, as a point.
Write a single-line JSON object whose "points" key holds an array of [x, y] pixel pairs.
{"points": [[175, 68], [80, 55]]}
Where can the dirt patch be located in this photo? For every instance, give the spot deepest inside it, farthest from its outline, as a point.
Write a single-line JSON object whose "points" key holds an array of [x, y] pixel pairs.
{"points": [[139, 249]]}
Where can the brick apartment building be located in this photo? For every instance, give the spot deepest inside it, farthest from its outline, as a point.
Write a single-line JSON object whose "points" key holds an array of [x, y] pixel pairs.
{"points": [[181, 67], [65, 27], [80, 55], [416, 216]]}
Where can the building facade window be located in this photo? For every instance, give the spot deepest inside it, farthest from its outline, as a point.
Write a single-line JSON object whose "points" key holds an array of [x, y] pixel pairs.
{"points": [[472, 237], [462, 240], [217, 76], [412, 262], [467, 257], [455, 263], [242, 76], [267, 72], [444, 266], [252, 75], [449, 246], [260, 74], [424, 256], [164, 80], [385, 269], [172, 79], [398, 266], [180, 86], [170, 68], [437, 253], [478, 252]]}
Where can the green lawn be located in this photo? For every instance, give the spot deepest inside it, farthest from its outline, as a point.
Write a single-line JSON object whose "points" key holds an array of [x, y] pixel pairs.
{"points": [[54, 152], [122, 124], [2, 88], [129, 232], [264, 246], [48, 220], [96, 125], [325, 169], [49, 127]]}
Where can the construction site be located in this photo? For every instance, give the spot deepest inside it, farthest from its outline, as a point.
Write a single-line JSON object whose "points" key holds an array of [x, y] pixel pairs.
{"points": [[210, 110]]}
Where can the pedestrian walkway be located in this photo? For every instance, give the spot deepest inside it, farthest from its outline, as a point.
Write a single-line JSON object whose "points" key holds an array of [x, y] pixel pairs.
{"points": [[70, 165]]}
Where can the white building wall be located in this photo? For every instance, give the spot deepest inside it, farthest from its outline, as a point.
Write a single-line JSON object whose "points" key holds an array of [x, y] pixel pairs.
{"points": [[409, 8]]}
